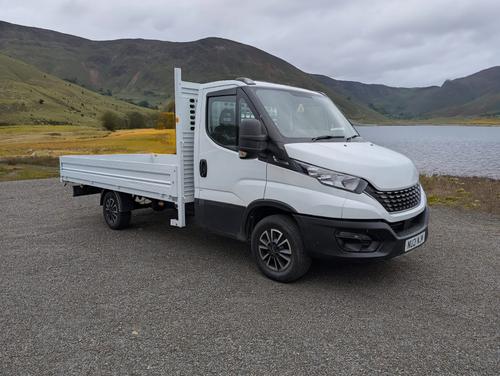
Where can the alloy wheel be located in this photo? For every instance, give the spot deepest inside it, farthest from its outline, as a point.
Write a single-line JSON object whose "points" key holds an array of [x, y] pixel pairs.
{"points": [[275, 250], [111, 209]]}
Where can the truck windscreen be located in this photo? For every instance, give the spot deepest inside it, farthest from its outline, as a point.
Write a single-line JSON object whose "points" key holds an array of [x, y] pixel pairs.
{"points": [[300, 114]]}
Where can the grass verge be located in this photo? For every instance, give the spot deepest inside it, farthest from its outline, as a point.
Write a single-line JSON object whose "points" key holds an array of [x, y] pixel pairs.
{"points": [[23, 171], [472, 193]]}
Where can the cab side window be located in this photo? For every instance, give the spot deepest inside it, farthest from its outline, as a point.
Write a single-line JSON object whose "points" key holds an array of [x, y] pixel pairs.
{"points": [[222, 126]]}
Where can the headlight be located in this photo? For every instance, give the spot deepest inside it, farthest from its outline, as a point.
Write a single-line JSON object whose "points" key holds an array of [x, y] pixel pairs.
{"points": [[334, 179]]}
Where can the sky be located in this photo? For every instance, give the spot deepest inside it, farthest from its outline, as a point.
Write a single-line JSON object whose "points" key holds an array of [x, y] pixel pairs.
{"points": [[394, 42]]}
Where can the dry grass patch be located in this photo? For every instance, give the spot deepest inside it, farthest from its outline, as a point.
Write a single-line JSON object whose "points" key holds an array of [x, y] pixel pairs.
{"points": [[31, 152], [467, 192], [53, 141]]}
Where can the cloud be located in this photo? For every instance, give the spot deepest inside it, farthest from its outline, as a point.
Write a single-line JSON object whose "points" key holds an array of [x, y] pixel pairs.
{"points": [[401, 43]]}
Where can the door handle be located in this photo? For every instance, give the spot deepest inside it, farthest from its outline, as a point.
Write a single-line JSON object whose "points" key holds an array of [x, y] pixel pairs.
{"points": [[203, 168]]}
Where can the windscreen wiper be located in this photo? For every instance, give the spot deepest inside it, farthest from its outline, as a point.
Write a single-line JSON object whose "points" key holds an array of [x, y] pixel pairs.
{"points": [[352, 137], [325, 137]]}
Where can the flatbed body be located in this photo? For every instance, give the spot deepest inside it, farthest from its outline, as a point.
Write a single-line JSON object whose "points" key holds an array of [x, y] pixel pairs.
{"points": [[147, 175]]}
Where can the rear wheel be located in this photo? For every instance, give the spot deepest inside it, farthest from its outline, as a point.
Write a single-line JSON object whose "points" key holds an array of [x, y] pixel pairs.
{"points": [[114, 215], [278, 250]]}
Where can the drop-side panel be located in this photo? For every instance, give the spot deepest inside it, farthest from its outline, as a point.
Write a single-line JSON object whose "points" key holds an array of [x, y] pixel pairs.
{"points": [[147, 175]]}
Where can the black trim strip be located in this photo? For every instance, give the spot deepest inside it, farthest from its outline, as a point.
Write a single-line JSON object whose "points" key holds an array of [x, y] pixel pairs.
{"points": [[219, 217]]}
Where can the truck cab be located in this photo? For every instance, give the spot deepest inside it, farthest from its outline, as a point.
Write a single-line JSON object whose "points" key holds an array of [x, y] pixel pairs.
{"points": [[282, 168]]}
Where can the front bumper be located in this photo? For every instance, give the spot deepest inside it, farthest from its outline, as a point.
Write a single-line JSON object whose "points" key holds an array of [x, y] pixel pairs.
{"points": [[325, 238]]}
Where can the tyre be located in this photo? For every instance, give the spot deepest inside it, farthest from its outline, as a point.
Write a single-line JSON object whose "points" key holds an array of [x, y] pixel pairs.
{"points": [[278, 250], [112, 209]]}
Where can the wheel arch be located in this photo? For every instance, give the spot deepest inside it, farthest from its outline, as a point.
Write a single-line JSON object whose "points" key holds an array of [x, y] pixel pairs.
{"points": [[126, 201], [258, 210]]}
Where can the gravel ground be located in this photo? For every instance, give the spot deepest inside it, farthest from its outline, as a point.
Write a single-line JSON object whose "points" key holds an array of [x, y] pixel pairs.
{"points": [[77, 298]]}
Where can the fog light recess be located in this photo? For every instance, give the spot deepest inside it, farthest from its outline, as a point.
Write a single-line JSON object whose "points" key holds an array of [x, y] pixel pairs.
{"points": [[356, 242]]}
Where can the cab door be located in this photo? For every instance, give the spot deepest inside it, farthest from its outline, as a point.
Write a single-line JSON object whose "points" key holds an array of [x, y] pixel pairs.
{"points": [[226, 183]]}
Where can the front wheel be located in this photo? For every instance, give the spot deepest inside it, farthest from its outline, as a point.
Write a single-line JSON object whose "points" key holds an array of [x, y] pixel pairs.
{"points": [[112, 209], [278, 250]]}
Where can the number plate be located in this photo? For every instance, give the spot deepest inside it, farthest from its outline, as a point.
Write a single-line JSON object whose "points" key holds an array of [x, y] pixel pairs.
{"points": [[414, 241]]}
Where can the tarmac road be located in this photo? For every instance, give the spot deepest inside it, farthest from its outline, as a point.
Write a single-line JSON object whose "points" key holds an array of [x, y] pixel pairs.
{"points": [[77, 298]]}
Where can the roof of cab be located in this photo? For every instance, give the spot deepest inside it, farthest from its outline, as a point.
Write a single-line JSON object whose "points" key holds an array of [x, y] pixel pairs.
{"points": [[263, 84], [283, 87]]}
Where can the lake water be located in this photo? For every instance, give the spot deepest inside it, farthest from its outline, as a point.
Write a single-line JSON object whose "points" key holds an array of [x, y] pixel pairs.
{"points": [[443, 150]]}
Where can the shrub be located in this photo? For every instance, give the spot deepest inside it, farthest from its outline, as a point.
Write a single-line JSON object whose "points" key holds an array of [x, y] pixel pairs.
{"points": [[170, 106], [132, 120], [111, 121], [153, 118], [137, 120]]}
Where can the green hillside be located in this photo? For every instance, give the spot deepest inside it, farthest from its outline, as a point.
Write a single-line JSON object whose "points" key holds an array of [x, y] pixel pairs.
{"points": [[143, 69], [29, 96]]}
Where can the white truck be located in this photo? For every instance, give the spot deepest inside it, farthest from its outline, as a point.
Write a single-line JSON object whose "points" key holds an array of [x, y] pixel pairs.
{"points": [[275, 165]]}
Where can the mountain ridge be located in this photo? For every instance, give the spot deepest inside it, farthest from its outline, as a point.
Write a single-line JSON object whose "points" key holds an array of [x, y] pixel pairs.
{"points": [[137, 69], [140, 69], [468, 96]]}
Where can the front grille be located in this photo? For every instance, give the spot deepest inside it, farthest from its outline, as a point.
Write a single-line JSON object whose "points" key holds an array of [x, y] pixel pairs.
{"points": [[396, 201]]}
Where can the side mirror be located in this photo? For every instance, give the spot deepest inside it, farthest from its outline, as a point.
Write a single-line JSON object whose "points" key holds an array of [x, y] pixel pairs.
{"points": [[252, 138]]}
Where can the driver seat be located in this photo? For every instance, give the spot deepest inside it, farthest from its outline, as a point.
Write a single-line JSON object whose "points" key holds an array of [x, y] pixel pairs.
{"points": [[226, 133]]}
